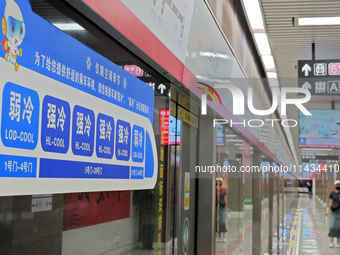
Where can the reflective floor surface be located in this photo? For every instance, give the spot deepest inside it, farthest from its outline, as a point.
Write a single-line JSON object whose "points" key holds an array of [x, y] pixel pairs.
{"points": [[305, 230], [312, 234]]}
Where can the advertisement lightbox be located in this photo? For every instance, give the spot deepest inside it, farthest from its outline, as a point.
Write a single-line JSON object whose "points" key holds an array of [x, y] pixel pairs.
{"points": [[219, 135], [174, 131]]}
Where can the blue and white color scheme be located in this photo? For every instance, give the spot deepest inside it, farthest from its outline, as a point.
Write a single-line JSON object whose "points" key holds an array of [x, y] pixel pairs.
{"points": [[20, 117], [83, 131], [123, 141], [105, 136], [137, 144], [71, 120], [55, 125]]}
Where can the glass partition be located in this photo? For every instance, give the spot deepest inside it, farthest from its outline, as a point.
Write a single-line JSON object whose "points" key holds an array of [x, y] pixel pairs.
{"points": [[233, 195]]}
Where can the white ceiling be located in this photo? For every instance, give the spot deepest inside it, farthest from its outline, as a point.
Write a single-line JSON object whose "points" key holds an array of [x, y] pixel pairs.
{"points": [[290, 43]]}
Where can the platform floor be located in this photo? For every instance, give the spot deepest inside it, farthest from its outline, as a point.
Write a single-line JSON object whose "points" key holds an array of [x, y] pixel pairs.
{"points": [[314, 226], [303, 230]]}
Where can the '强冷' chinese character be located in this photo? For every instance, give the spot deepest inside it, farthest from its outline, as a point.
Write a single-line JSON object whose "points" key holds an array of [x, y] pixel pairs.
{"points": [[102, 129], [80, 123], [87, 125], [51, 115], [28, 109], [61, 118]]}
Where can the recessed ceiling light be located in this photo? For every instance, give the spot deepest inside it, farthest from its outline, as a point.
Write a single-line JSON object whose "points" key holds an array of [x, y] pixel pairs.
{"points": [[271, 75], [319, 21], [254, 13], [68, 26], [262, 43], [268, 62]]}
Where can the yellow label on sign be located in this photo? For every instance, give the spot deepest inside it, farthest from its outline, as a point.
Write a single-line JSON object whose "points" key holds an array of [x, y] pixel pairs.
{"points": [[186, 202], [186, 103], [187, 185], [193, 120], [173, 93], [172, 108], [187, 191], [187, 117]]}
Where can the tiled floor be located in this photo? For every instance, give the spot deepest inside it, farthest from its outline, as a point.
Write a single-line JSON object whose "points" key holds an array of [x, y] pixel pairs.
{"points": [[290, 224], [238, 237], [313, 232], [305, 230]]}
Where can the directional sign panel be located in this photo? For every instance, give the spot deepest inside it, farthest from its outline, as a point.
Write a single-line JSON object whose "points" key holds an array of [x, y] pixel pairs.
{"points": [[320, 77], [330, 159], [158, 87]]}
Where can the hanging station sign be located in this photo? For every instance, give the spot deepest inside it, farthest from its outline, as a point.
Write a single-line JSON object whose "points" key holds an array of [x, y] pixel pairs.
{"points": [[329, 159], [71, 120], [320, 77]]}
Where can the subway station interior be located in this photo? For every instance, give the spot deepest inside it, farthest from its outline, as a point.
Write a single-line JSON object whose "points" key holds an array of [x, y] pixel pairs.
{"points": [[170, 127]]}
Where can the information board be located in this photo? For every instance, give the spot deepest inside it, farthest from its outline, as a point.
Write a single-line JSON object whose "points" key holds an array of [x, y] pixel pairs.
{"points": [[71, 120], [329, 159], [319, 130], [164, 126]]}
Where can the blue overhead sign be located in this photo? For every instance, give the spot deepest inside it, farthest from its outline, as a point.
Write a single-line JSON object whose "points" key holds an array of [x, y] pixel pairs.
{"points": [[69, 113]]}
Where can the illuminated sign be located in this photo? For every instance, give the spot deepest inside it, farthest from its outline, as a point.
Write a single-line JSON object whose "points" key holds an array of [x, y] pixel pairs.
{"points": [[164, 126]]}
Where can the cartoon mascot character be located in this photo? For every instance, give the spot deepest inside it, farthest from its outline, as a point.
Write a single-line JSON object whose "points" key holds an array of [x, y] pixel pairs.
{"points": [[13, 27]]}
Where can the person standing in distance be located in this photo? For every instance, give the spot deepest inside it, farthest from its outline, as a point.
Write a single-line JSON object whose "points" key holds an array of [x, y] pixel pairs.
{"points": [[221, 209], [310, 190], [334, 210]]}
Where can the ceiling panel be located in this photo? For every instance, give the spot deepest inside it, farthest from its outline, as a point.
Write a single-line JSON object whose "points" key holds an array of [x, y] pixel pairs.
{"points": [[52, 15], [290, 43]]}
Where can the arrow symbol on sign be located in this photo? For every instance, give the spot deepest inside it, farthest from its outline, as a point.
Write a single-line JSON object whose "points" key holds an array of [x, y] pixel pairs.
{"points": [[306, 85], [161, 87], [306, 68]]}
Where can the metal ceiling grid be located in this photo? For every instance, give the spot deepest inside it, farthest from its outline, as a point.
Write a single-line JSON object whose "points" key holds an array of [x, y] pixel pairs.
{"points": [[290, 43]]}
